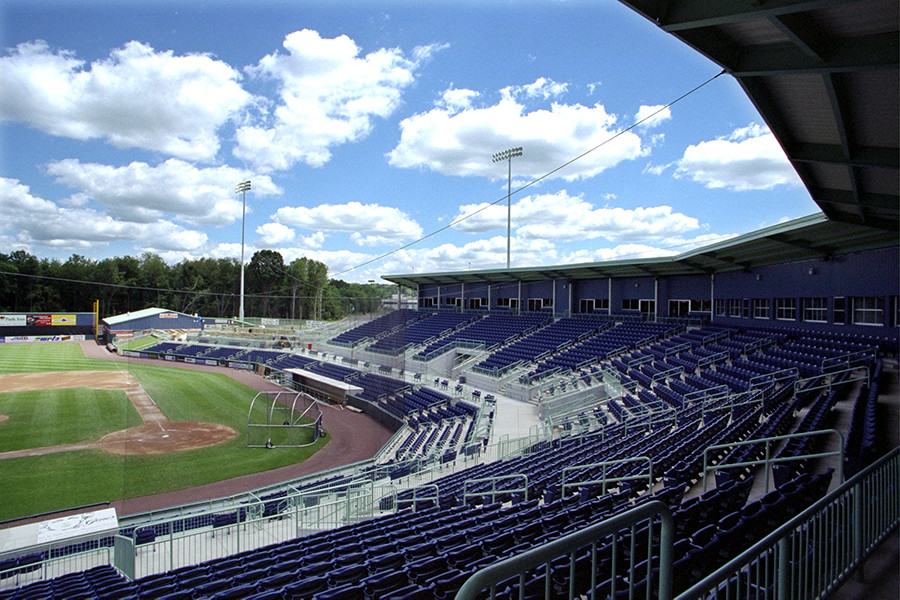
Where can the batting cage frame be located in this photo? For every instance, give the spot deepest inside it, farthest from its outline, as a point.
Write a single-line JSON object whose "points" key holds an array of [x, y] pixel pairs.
{"points": [[292, 420]]}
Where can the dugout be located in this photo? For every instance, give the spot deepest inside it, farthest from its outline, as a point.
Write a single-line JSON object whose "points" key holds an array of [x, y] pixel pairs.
{"points": [[334, 390]]}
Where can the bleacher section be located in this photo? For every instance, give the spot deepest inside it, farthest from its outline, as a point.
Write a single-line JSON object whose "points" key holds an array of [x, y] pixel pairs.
{"points": [[378, 327], [429, 553], [548, 340], [622, 337], [420, 332], [489, 332], [687, 390]]}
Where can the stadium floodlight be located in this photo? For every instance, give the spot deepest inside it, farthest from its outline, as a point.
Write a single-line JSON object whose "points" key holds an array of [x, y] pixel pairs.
{"points": [[242, 188], [507, 155]]}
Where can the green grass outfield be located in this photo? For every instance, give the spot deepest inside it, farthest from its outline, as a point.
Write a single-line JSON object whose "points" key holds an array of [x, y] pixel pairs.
{"points": [[37, 484]]}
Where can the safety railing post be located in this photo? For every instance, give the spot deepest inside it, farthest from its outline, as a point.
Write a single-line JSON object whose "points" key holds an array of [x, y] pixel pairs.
{"points": [[782, 576], [858, 543]]}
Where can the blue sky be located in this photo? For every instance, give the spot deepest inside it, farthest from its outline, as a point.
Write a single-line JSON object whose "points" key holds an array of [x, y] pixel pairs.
{"points": [[367, 126]]}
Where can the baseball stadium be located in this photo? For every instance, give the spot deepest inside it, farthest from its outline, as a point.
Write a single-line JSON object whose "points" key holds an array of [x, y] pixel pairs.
{"points": [[720, 423]]}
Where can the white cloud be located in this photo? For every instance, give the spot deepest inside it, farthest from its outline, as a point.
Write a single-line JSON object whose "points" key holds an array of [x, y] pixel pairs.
{"points": [[34, 221], [336, 260], [457, 138], [370, 224], [654, 115], [313, 241], [542, 88], [620, 252], [562, 217], [144, 193], [457, 99], [749, 158], [275, 234], [487, 253], [329, 95], [136, 98]]}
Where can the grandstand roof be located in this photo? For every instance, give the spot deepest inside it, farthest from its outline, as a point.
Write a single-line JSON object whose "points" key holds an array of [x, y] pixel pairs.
{"points": [[824, 76], [812, 237]]}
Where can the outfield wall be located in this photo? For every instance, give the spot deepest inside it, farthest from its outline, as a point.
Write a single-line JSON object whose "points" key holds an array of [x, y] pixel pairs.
{"points": [[46, 327], [29, 339]]}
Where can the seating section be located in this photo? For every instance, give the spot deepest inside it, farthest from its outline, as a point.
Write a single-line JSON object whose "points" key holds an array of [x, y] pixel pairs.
{"points": [[682, 387], [376, 387], [333, 371], [98, 582], [861, 449], [491, 331], [378, 327], [429, 553], [422, 331], [622, 337], [544, 341]]}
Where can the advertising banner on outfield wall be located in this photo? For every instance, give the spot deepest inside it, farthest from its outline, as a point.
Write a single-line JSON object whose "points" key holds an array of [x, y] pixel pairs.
{"points": [[12, 321], [27, 339]]}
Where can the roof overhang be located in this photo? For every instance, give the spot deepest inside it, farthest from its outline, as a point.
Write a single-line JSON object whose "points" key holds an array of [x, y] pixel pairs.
{"points": [[807, 238], [824, 76]]}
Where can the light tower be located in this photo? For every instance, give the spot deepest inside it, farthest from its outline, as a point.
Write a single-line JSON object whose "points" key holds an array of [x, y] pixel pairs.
{"points": [[508, 155], [242, 188]]}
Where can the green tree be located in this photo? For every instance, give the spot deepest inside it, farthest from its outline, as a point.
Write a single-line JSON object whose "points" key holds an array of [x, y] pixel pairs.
{"points": [[153, 272], [77, 268], [25, 264], [298, 282], [265, 275]]}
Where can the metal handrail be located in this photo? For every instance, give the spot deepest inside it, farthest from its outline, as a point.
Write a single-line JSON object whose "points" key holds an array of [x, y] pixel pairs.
{"points": [[603, 479], [768, 460], [491, 575], [850, 510], [494, 491]]}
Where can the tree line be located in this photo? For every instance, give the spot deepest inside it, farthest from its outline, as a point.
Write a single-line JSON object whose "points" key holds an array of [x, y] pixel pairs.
{"points": [[209, 287]]}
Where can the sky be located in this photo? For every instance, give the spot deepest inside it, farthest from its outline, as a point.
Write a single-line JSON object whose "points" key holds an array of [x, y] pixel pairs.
{"points": [[367, 130]]}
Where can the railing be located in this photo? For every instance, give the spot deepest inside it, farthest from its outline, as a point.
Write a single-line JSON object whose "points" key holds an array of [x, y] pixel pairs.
{"points": [[558, 409], [808, 557], [419, 494], [495, 488], [719, 403], [663, 375], [830, 379], [53, 559], [595, 546], [647, 358], [604, 478], [718, 392], [851, 359], [452, 345], [759, 344], [768, 378], [769, 459], [248, 527], [712, 359], [813, 553], [677, 349]]}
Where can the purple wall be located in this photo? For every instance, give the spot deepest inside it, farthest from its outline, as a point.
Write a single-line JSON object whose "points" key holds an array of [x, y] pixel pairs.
{"points": [[869, 274]]}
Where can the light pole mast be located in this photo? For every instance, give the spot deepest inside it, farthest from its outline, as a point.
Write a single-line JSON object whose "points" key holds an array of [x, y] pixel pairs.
{"points": [[508, 155], [243, 187]]}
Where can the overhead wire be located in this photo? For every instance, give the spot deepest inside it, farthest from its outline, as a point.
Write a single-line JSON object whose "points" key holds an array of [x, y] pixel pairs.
{"points": [[533, 181]]}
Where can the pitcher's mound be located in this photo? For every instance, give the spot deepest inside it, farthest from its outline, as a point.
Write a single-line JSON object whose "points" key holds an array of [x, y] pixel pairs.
{"points": [[162, 438]]}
